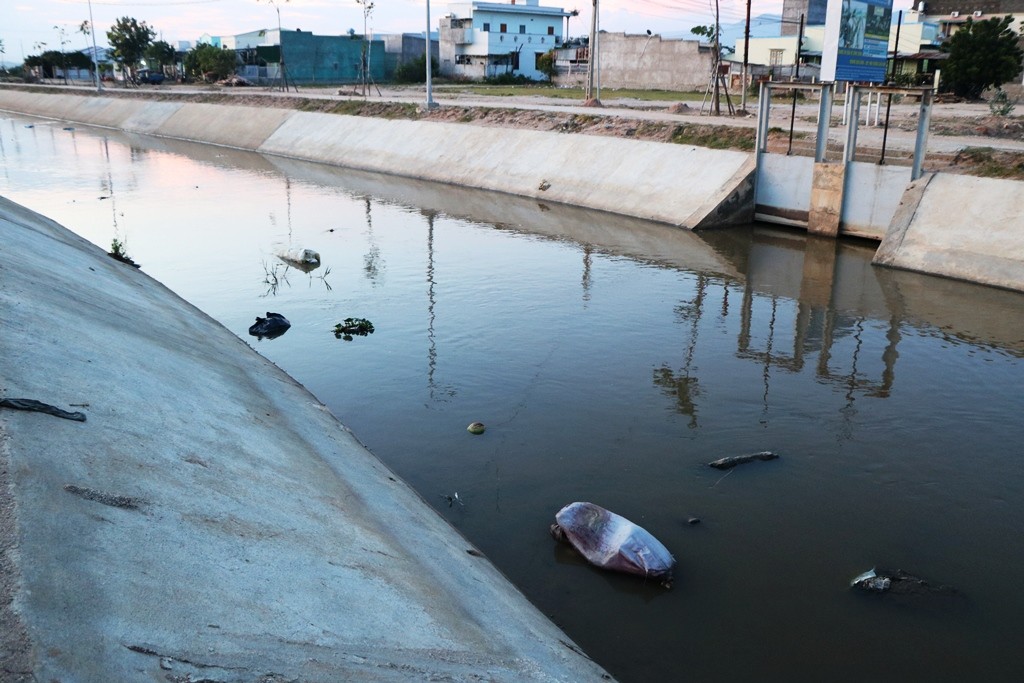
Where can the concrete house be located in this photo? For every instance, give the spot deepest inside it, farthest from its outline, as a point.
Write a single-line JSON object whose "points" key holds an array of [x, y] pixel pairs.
{"points": [[950, 15], [638, 61], [484, 39], [309, 58]]}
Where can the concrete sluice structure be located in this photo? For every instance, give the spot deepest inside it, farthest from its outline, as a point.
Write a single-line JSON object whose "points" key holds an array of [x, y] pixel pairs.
{"points": [[210, 519]]}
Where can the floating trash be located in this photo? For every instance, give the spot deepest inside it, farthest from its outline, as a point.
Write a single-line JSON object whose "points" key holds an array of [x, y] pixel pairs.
{"points": [[732, 461], [271, 327], [476, 428], [610, 541]]}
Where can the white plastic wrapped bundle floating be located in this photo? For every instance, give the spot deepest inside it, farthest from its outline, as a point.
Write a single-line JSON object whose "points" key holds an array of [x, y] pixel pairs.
{"points": [[303, 259], [610, 541]]}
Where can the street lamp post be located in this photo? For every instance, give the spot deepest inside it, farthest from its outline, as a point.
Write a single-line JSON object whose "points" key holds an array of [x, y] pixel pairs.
{"points": [[95, 52], [430, 89]]}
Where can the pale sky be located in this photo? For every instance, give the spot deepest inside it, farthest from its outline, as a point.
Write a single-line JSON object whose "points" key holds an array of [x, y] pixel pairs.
{"points": [[24, 24]]}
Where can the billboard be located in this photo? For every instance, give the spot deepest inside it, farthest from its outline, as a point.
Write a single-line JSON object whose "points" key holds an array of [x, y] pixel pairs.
{"points": [[856, 42]]}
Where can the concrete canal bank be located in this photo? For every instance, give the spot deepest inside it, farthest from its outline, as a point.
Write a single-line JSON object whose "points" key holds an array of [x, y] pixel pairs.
{"points": [[210, 518], [628, 177], [951, 227]]}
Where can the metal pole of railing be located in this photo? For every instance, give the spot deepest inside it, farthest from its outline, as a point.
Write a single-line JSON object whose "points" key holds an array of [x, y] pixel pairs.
{"points": [[792, 114], [850, 151], [763, 112], [824, 122], [921, 141]]}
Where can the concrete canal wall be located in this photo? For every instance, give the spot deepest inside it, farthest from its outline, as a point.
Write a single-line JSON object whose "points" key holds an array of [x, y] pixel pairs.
{"points": [[956, 226], [210, 519], [960, 227], [690, 187]]}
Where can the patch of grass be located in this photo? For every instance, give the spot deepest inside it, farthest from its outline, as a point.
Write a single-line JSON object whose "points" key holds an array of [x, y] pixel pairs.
{"points": [[989, 163], [714, 137], [649, 130]]}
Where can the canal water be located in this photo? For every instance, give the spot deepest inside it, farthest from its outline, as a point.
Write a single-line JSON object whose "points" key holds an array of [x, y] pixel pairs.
{"points": [[611, 359]]}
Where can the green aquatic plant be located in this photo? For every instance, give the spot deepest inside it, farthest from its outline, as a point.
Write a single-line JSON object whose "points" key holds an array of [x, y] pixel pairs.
{"points": [[353, 326], [117, 252]]}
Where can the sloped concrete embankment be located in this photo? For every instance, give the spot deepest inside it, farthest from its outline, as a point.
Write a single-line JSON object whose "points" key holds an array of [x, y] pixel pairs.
{"points": [[210, 518], [690, 187], [959, 227]]}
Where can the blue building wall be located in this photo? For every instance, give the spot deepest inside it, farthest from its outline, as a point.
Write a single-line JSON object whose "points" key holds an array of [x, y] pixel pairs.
{"points": [[311, 58]]}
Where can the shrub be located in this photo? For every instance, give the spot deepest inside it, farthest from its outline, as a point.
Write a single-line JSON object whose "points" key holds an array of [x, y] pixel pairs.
{"points": [[415, 71]]}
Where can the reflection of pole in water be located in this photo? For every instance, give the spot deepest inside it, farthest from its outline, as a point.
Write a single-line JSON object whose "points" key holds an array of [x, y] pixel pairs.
{"points": [[371, 261], [848, 411], [889, 356], [288, 206], [431, 302], [683, 386], [768, 359], [587, 263], [109, 190]]}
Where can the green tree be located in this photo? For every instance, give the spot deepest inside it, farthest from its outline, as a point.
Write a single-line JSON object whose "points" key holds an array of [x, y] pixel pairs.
{"points": [[129, 39], [704, 31], [546, 65], [53, 61], [982, 54], [209, 63], [159, 54]]}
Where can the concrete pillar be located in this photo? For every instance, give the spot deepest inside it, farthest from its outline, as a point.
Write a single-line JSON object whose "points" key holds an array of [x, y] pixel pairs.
{"points": [[826, 199]]}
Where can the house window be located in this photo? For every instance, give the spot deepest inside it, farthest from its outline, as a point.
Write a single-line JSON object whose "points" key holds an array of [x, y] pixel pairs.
{"points": [[487, 26], [551, 30], [504, 28], [522, 28], [775, 57]]}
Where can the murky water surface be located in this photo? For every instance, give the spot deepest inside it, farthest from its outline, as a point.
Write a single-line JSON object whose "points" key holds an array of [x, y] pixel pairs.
{"points": [[611, 359]]}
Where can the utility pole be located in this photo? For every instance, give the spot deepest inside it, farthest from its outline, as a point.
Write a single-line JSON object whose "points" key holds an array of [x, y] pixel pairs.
{"points": [[95, 52], [592, 49], [717, 62], [746, 54], [430, 88]]}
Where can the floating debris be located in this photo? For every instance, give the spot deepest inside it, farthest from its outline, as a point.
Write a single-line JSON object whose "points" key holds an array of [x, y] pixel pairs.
{"points": [[353, 326], [452, 499], [476, 428], [610, 541], [305, 260], [271, 327], [898, 582], [732, 461]]}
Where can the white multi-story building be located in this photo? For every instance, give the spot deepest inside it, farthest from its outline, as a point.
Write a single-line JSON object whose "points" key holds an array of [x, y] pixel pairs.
{"points": [[484, 39]]}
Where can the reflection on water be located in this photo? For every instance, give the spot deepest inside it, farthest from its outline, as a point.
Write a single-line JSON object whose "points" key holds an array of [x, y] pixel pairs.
{"points": [[611, 359]]}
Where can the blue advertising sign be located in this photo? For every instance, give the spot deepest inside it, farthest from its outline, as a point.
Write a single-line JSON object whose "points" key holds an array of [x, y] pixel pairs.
{"points": [[862, 37]]}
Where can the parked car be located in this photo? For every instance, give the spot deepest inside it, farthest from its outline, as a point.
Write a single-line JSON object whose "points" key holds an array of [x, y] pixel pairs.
{"points": [[150, 76]]}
